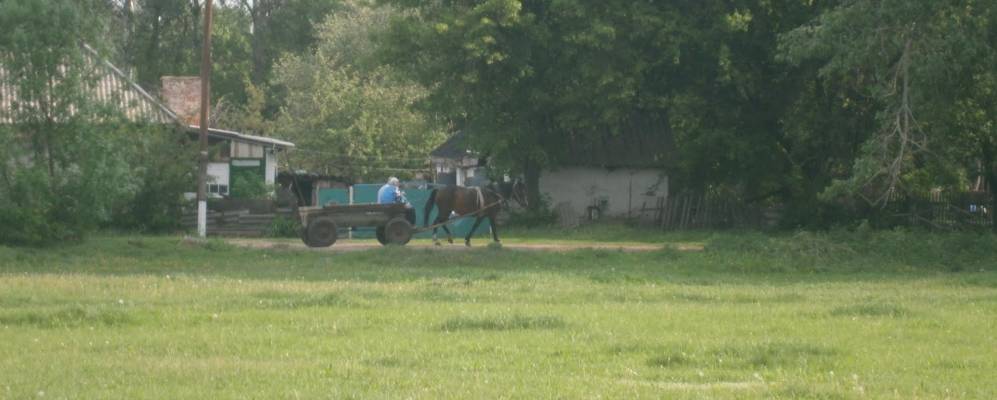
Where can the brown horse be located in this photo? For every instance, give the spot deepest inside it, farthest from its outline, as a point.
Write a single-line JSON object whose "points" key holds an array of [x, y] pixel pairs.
{"points": [[463, 201]]}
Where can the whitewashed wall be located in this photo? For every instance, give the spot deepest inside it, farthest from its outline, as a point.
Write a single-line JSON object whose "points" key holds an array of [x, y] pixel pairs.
{"points": [[218, 173], [578, 188]]}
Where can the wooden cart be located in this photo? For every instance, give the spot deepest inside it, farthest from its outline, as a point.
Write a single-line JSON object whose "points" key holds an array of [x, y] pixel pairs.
{"points": [[394, 223]]}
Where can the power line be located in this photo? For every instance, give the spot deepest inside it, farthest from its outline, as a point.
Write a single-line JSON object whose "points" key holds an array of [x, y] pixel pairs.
{"points": [[361, 158]]}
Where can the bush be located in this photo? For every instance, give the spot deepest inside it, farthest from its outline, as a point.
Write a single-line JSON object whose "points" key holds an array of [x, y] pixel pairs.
{"points": [[48, 198], [542, 216], [282, 227], [246, 186], [163, 172]]}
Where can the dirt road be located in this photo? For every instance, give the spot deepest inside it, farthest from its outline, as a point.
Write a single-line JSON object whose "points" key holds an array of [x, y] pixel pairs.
{"points": [[360, 245]]}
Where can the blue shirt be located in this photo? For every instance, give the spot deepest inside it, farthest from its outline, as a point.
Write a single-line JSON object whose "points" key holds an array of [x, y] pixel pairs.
{"points": [[388, 194]]}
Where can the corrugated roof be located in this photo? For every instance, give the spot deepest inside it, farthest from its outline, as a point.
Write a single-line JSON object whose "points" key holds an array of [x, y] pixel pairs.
{"points": [[221, 133], [114, 88]]}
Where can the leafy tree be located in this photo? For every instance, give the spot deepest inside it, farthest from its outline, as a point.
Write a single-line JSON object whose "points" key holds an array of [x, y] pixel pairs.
{"points": [[528, 77], [927, 70], [59, 170], [350, 116]]}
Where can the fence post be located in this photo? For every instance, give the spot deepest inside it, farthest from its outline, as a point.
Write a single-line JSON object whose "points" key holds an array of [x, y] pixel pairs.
{"points": [[349, 232]]}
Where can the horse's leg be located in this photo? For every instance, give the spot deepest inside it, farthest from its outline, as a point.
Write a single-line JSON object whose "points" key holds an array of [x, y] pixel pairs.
{"points": [[436, 221], [477, 221], [491, 220], [449, 235]]}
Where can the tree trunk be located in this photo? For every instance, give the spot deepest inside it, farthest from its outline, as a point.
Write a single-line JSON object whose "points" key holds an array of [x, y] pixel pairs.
{"points": [[259, 52], [531, 171]]}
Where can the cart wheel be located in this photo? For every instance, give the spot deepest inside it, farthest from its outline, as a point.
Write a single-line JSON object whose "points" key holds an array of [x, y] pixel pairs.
{"points": [[398, 231], [379, 232], [321, 232]]}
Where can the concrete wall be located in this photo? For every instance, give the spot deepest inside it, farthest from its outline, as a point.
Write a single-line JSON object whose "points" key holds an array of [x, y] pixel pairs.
{"points": [[574, 189]]}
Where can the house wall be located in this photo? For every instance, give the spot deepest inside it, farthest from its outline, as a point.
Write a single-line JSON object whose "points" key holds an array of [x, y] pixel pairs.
{"points": [[574, 189], [246, 150]]}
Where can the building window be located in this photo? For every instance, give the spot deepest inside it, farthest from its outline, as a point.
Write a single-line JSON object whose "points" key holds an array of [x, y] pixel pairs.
{"points": [[221, 190]]}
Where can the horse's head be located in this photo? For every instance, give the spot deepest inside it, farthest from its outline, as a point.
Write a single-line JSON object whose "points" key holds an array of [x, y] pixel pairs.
{"points": [[493, 193]]}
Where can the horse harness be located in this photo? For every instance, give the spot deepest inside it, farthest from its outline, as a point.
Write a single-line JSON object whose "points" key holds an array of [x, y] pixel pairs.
{"points": [[481, 197]]}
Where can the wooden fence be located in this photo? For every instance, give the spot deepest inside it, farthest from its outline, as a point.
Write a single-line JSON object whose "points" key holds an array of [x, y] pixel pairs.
{"points": [[689, 211], [935, 210], [940, 210], [237, 222]]}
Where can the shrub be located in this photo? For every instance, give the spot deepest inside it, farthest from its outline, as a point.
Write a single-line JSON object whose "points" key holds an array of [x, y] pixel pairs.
{"points": [[246, 186], [163, 171], [283, 227], [543, 215]]}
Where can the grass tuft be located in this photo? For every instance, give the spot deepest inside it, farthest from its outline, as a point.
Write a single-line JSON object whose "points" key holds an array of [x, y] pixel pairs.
{"points": [[747, 355], [68, 317], [871, 310], [502, 323], [291, 300]]}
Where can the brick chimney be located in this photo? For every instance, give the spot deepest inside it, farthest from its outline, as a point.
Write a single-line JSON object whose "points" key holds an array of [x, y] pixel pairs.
{"points": [[182, 94]]}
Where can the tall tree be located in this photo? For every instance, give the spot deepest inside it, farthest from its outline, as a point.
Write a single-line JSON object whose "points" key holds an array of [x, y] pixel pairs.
{"points": [[927, 68], [279, 26], [349, 115], [60, 171], [528, 77]]}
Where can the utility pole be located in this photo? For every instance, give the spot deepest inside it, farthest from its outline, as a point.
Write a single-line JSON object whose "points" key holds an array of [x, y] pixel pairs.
{"points": [[202, 175]]}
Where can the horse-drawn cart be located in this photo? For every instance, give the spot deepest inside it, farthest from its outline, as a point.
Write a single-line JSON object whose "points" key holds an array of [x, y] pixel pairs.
{"points": [[394, 223]]}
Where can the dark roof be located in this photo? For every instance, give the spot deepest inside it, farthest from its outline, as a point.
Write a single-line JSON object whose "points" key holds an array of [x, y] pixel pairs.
{"points": [[642, 143], [454, 148]]}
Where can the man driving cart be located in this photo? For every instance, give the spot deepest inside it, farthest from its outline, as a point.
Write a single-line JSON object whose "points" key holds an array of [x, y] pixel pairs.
{"points": [[391, 194]]}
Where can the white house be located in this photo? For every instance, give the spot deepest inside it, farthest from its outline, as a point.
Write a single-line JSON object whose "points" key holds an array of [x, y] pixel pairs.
{"points": [[613, 175], [240, 153]]}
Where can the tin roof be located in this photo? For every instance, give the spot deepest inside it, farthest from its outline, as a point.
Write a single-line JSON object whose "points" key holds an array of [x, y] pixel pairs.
{"points": [[114, 88]]}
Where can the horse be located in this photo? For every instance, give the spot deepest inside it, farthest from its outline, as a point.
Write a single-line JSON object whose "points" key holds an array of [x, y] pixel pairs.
{"points": [[463, 201]]}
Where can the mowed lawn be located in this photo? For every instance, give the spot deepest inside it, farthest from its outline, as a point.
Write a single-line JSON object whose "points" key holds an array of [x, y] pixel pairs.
{"points": [[823, 316]]}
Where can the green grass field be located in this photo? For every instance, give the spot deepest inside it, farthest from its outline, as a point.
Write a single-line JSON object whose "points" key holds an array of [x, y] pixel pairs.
{"points": [[821, 316]]}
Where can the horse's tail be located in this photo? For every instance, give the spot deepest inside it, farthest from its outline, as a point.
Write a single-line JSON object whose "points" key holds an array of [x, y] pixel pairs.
{"points": [[429, 207]]}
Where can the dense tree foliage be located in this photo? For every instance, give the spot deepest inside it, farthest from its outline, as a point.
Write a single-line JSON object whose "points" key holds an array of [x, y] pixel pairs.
{"points": [[796, 103], [66, 161], [927, 70], [351, 116], [826, 109]]}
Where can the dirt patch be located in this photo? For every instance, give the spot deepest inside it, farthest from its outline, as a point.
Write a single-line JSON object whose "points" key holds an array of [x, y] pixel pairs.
{"points": [[360, 245]]}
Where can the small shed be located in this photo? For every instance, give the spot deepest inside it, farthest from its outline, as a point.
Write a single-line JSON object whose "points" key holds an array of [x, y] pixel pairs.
{"points": [[454, 163]]}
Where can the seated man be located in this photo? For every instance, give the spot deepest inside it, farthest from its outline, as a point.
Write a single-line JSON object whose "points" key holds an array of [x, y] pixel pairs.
{"points": [[390, 194]]}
